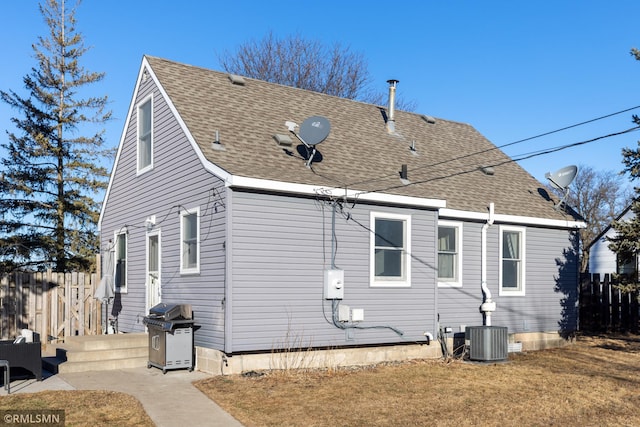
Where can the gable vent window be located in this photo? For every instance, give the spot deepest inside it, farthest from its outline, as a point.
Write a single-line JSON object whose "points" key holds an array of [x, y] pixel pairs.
{"points": [[145, 135], [190, 241]]}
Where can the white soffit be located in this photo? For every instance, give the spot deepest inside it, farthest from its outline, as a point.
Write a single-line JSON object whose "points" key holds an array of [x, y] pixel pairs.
{"points": [[511, 219], [288, 187]]}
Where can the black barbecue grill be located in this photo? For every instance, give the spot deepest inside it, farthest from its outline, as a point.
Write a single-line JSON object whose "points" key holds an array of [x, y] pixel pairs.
{"points": [[170, 336]]}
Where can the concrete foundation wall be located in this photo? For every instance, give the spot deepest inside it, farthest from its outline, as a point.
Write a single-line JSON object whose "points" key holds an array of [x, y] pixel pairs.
{"points": [[217, 363], [540, 340]]}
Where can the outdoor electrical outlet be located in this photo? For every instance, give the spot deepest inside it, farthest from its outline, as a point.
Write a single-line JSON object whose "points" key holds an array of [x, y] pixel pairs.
{"points": [[343, 313], [448, 330]]}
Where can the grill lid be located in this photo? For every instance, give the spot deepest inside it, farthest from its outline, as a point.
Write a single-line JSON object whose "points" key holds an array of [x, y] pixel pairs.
{"points": [[171, 311], [166, 325]]}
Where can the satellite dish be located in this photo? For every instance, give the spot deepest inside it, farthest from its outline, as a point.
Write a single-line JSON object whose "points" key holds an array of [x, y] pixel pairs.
{"points": [[314, 130], [561, 179]]}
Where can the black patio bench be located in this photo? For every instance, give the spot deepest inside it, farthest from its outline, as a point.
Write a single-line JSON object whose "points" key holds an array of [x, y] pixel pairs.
{"points": [[25, 355]]}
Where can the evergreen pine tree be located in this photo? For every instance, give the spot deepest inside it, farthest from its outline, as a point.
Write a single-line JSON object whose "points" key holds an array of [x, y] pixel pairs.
{"points": [[51, 172], [626, 242]]}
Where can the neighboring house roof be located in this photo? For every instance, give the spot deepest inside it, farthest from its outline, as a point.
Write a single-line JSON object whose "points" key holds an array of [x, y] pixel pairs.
{"points": [[359, 156], [610, 226]]}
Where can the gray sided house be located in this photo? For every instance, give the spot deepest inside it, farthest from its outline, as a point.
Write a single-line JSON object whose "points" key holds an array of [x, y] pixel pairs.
{"points": [[387, 229], [603, 260]]}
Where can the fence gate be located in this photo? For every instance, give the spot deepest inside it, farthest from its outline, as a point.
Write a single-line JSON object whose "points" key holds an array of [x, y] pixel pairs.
{"points": [[55, 305]]}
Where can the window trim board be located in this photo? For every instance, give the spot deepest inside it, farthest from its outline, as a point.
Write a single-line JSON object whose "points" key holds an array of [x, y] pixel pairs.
{"points": [[185, 212], [459, 242], [523, 260], [140, 170], [406, 256]]}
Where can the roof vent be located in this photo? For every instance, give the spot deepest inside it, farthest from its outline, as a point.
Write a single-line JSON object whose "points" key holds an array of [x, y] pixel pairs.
{"points": [[216, 144], [283, 140], [391, 111], [404, 175], [488, 170], [428, 119], [237, 80]]}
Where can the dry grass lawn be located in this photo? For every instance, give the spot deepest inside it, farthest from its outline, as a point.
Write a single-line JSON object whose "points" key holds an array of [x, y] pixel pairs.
{"points": [[595, 382], [84, 408]]}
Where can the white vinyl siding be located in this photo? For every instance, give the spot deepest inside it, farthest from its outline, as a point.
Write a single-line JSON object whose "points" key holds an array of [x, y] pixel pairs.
{"points": [[449, 253], [390, 250], [145, 135], [190, 241], [512, 260]]}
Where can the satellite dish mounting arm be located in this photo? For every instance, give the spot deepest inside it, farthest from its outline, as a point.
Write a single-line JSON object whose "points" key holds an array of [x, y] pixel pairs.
{"points": [[312, 147]]}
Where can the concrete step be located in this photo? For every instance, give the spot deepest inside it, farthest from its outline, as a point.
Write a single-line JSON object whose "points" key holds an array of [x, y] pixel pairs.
{"points": [[106, 342], [113, 354], [99, 353], [103, 365]]}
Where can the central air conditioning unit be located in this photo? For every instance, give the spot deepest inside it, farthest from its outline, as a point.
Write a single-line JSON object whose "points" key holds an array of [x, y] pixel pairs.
{"points": [[487, 343]]}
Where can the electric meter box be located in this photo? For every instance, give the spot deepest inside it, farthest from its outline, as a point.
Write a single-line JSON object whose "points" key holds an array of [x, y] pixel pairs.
{"points": [[334, 284]]}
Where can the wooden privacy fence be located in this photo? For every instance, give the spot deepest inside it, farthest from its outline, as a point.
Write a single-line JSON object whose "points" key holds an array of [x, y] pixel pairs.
{"points": [[604, 308], [56, 305]]}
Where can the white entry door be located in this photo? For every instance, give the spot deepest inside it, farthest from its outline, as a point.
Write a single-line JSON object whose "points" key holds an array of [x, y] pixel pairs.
{"points": [[153, 284]]}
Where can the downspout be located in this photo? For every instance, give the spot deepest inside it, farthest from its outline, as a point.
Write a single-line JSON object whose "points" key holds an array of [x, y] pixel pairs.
{"points": [[488, 306]]}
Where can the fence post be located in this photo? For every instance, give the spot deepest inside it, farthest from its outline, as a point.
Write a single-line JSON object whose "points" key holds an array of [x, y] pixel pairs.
{"points": [[595, 302], [585, 300], [634, 312], [625, 311], [97, 307], [605, 311], [616, 302]]}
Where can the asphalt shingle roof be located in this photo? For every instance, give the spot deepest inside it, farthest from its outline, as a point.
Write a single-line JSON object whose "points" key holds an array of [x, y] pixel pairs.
{"points": [[358, 154]]}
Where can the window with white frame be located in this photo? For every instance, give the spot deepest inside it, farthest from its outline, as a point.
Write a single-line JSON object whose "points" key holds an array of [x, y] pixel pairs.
{"points": [[190, 241], [390, 250], [512, 260], [145, 135], [449, 253], [120, 258], [626, 264]]}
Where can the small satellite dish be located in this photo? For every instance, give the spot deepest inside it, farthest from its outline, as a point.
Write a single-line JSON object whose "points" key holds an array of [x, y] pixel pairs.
{"points": [[562, 179], [314, 130]]}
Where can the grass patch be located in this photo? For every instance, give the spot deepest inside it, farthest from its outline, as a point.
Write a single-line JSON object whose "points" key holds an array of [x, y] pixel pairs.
{"points": [[83, 407], [593, 382]]}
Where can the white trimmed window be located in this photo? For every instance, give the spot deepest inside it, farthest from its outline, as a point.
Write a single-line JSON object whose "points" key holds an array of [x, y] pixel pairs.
{"points": [[145, 135], [512, 260], [190, 241], [390, 250], [120, 264], [626, 264], [449, 253]]}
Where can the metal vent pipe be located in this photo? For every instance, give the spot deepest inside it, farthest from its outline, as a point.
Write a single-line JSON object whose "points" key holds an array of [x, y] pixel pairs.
{"points": [[391, 113]]}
